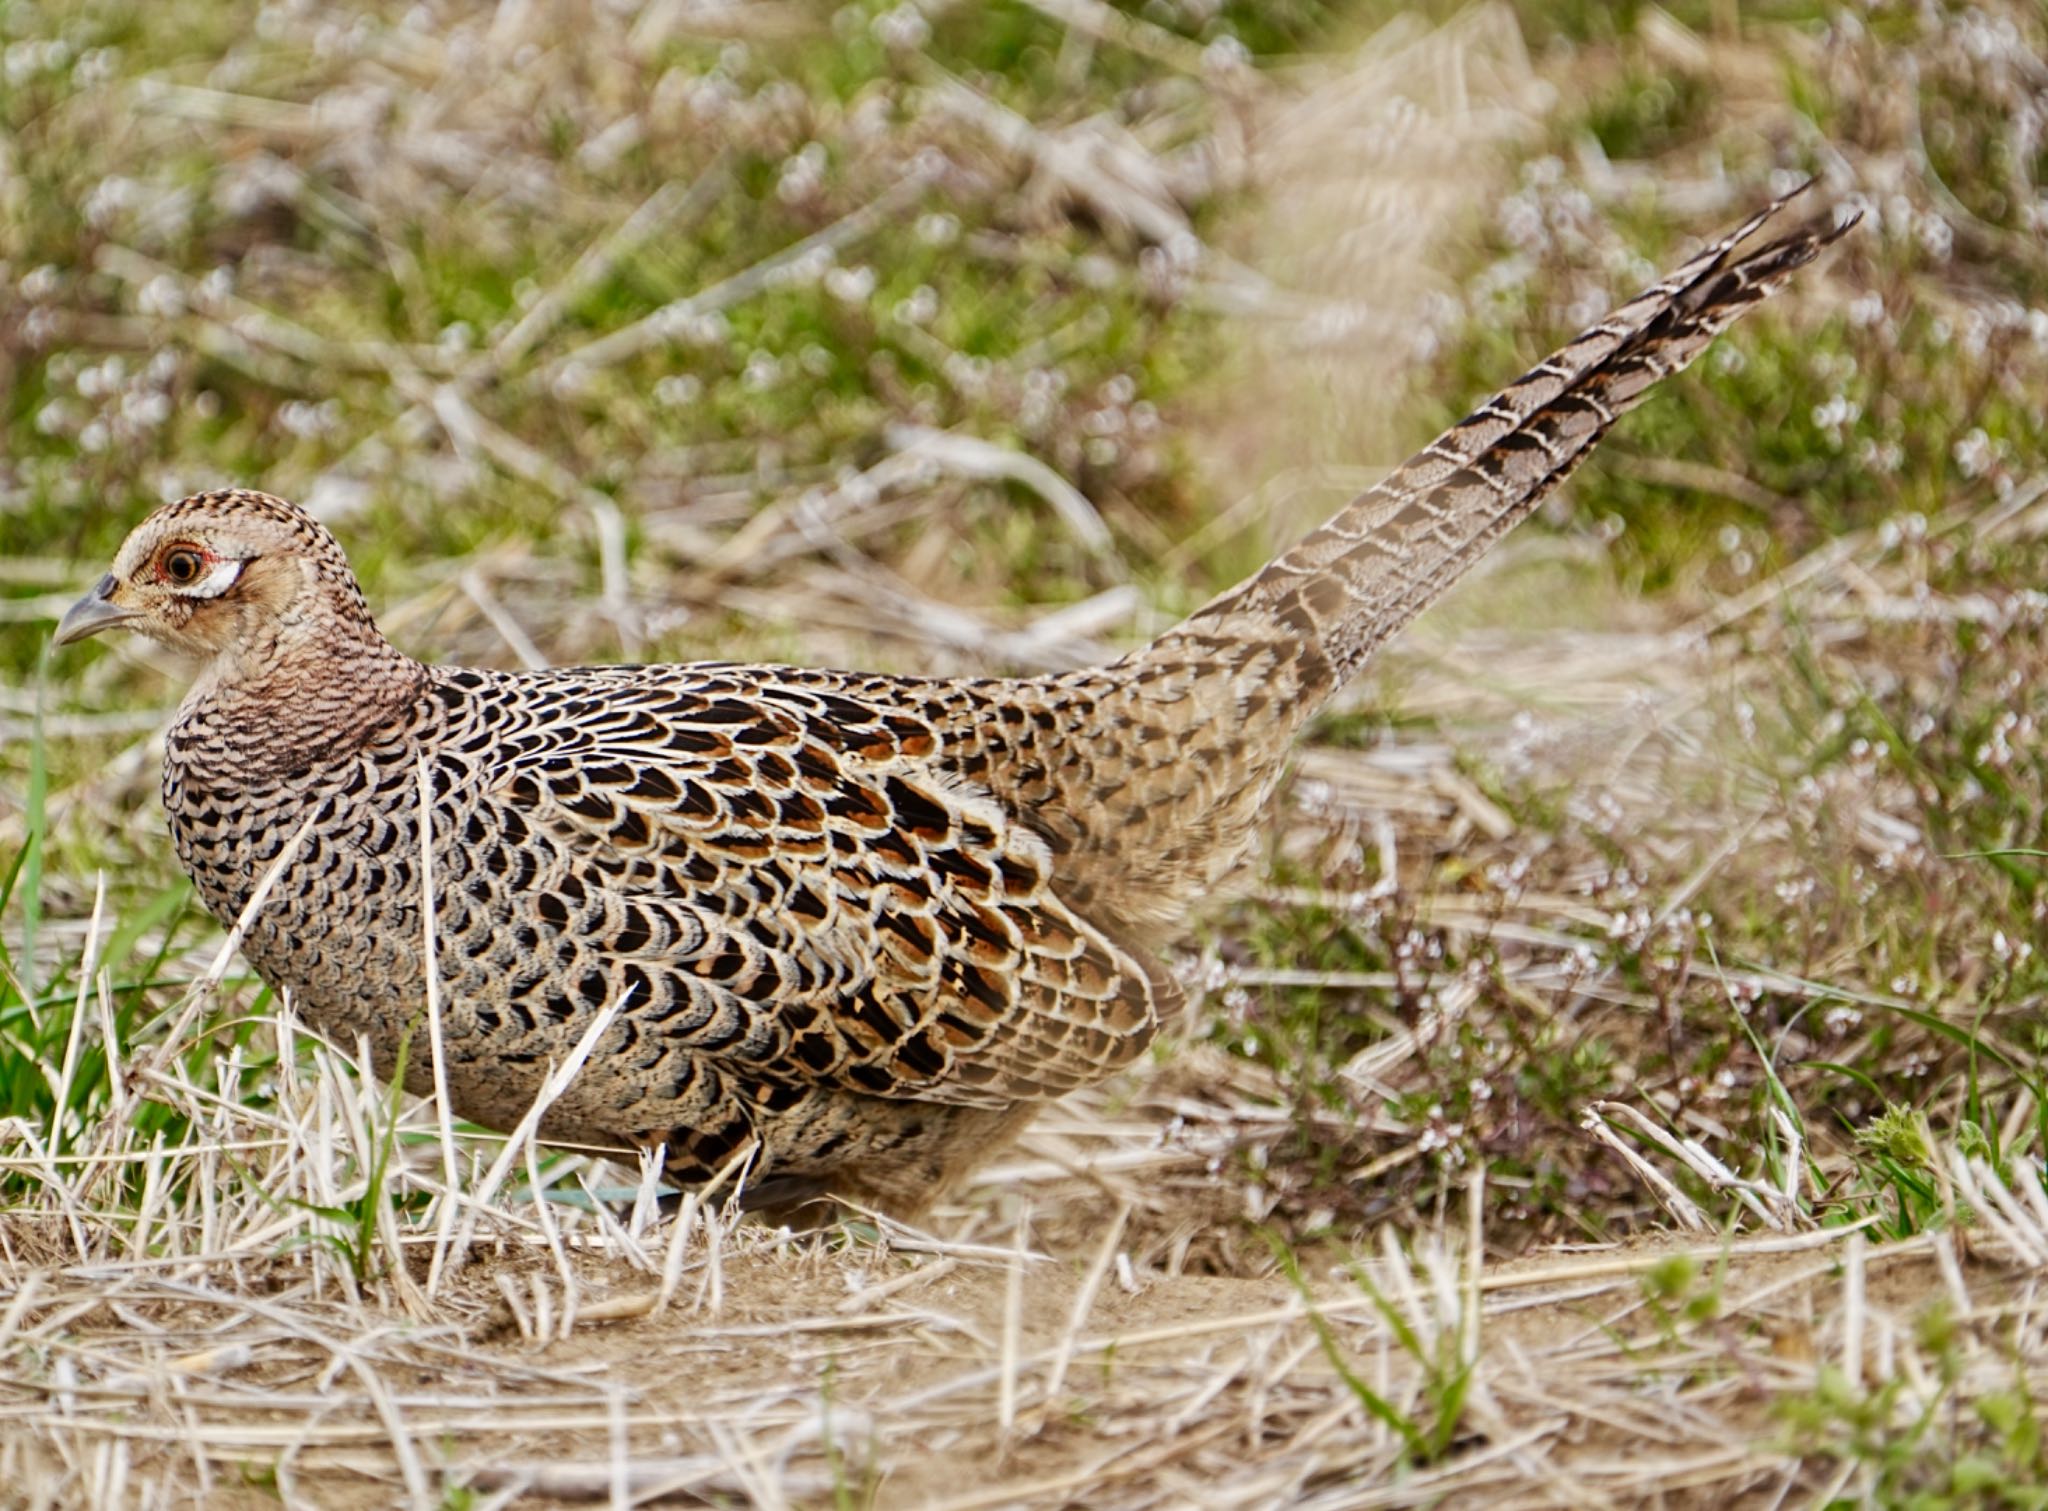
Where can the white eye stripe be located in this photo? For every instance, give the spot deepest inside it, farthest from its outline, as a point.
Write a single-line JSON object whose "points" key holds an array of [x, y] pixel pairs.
{"points": [[218, 579]]}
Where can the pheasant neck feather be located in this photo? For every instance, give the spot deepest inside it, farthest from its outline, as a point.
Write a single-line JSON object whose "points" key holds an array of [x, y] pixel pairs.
{"points": [[309, 687]]}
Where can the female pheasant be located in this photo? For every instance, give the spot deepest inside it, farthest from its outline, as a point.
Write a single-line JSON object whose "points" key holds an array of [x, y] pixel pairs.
{"points": [[860, 924]]}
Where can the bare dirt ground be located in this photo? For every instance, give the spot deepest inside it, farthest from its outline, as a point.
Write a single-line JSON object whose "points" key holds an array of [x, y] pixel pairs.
{"points": [[983, 1375]]}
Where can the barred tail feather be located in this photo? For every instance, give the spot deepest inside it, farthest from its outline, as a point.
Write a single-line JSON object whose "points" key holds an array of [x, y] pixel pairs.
{"points": [[1354, 583]]}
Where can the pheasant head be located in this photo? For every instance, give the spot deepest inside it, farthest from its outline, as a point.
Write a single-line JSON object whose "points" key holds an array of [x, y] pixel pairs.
{"points": [[238, 579]]}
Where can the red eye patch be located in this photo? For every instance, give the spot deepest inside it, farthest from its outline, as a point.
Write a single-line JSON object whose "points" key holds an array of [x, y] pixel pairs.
{"points": [[181, 566]]}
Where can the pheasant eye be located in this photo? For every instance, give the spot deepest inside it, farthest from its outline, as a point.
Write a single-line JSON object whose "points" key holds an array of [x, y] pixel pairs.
{"points": [[182, 566]]}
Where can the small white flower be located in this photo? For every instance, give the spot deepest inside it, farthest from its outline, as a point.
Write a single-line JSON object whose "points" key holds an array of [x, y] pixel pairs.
{"points": [[920, 308], [678, 390], [854, 285], [903, 28]]}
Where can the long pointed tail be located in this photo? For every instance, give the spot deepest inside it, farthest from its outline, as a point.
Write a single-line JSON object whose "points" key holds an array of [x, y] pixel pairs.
{"points": [[1187, 736], [1346, 589]]}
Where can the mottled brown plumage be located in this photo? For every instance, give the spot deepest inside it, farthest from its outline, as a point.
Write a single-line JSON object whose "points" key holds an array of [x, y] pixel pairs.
{"points": [[862, 924]]}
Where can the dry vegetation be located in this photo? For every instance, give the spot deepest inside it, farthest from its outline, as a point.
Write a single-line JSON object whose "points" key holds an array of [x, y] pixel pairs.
{"points": [[1619, 1084]]}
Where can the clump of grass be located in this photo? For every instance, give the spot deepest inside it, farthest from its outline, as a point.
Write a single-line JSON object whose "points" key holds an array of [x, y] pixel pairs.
{"points": [[1443, 1360], [1930, 1457]]}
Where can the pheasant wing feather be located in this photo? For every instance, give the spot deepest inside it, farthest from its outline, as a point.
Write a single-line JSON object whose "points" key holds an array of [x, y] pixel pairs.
{"points": [[777, 876]]}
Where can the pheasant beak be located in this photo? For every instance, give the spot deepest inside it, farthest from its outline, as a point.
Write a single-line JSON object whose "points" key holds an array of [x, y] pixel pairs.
{"points": [[94, 612]]}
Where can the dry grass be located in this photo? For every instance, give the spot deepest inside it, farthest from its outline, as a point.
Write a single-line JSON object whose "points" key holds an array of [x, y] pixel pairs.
{"points": [[197, 1346], [1487, 1168]]}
